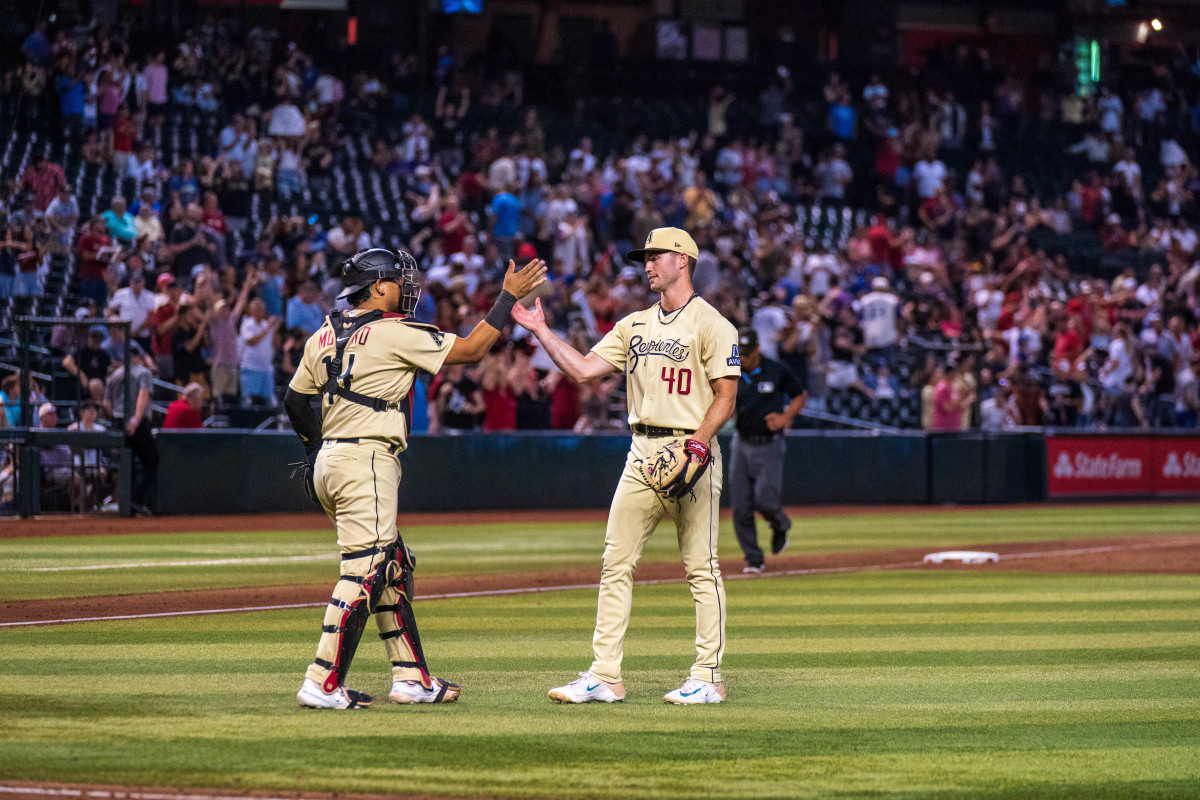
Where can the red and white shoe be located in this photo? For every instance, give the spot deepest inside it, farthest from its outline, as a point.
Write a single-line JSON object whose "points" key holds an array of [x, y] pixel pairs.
{"points": [[406, 692], [311, 695]]}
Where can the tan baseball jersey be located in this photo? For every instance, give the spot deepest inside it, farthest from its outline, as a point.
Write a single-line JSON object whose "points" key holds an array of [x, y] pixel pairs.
{"points": [[670, 361], [381, 360]]}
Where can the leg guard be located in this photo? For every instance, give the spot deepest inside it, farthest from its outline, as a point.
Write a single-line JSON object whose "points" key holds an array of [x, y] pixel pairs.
{"points": [[346, 617], [397, 622]]}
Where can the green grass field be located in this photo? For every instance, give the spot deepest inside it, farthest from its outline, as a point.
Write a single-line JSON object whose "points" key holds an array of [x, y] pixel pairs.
{"points": [[895, 684]]}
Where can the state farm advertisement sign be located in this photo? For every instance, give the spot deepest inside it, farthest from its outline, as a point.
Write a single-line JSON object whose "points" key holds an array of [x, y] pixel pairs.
{"points": [[1114, 465]]}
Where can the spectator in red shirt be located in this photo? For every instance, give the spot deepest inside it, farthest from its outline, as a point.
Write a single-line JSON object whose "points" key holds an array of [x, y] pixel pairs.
{"points": [[43, 179], [500, 404], [889, 155], [212, 216], [1069, 343], [949, 404], [1091, 199], [93, 264], [163, 321], [454, 225], [185, 412], [123, 129]]}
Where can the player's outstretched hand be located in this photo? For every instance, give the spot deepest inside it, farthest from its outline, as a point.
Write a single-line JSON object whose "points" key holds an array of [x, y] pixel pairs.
{"points": [[520, 282], [532, 319]]}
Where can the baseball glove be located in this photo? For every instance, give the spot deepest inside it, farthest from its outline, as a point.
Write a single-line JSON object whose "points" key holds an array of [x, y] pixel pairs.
{"points": [[674, 468], [306, 469]]}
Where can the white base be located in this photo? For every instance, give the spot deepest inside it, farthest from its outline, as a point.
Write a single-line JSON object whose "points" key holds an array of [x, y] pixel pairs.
{"points": [[964, 556]]}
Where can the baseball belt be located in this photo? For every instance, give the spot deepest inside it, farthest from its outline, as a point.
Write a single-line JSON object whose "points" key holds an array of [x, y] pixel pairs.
{"points": [[655, 432]]}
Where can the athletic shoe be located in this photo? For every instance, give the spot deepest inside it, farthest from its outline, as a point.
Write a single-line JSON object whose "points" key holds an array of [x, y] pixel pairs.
{"points": [[695, 690], [588, 688], [311, 695], [441, 691], [753, 568], [779, 542]]}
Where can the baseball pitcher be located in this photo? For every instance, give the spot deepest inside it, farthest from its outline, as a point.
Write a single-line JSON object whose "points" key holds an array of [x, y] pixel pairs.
{"points": [[359, 367], [680, 359]]}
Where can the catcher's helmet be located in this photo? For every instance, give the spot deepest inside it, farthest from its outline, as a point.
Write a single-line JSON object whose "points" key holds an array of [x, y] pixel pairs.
{"points": [[367, 266]]}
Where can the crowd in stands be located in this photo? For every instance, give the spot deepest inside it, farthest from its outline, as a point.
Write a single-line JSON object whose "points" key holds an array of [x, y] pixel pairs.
{"points": [[919, 241]]}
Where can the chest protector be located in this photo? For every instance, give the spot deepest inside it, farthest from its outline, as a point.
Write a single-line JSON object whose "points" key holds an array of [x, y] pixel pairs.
{"points": [[344, 328]]}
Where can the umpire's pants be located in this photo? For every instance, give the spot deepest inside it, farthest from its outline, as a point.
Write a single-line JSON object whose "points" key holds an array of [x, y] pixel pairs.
{"points": [[756, 484]]}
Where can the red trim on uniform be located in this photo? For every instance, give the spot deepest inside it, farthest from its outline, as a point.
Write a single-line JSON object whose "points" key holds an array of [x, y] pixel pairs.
{"points": [[331, 681], [393, 315], [408, 416]]}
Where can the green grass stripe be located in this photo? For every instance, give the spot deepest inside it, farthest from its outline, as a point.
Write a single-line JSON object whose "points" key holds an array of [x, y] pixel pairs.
{"points": [[469, 549], [905, 685]]}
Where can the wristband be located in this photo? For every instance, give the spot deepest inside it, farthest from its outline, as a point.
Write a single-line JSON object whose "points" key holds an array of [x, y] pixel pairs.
{"points": [[696, 450], [501, 311]]}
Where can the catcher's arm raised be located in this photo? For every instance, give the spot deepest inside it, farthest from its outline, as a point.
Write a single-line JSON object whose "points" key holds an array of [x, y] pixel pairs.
{"points": [[517, 284]]}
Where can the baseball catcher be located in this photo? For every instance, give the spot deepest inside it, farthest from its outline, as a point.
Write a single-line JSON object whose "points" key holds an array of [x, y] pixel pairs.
{"points": [[359, 369]]}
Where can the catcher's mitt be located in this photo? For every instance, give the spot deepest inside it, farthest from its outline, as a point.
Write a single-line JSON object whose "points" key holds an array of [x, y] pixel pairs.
{"points": [[306, 469], [674, 468]]}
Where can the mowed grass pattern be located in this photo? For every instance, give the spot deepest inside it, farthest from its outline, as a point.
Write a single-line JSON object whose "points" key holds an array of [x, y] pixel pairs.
{"points": [[168, 562], [897, 685]]}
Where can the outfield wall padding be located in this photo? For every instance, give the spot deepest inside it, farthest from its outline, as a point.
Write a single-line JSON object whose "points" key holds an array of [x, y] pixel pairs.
{"points": [[238, 471]]}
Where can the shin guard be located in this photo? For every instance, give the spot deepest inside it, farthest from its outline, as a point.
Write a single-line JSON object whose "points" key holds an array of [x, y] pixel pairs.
{"points": [[400, 631], [352, 604]]}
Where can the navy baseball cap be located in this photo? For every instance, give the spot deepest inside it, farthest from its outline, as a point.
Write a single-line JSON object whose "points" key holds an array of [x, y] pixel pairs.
{"points": [[747, 339]]}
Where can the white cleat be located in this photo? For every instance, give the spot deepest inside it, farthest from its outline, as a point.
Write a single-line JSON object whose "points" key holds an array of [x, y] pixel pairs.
{"points": [[696, 691], [311, 695], [588, 688], [406, 692]]}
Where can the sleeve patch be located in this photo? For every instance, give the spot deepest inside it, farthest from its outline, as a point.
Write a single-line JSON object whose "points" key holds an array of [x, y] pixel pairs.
{"points": [[432, 330], [734, 360]]}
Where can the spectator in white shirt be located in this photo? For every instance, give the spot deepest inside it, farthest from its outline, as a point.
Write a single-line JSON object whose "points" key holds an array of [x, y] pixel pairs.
{"points": [[821, 269], [1150, 293], [62, 215], [133, 304], [1130, 172], [1094, 146], [768, 321], [832, 174], [878, 310], [1111, 111], [929, 174], [875, 93], [285, 120], [1172, 156], [1184, 236]]}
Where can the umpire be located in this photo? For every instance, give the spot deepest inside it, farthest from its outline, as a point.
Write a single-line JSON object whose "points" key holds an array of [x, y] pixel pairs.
{"points": [[756, 471]]}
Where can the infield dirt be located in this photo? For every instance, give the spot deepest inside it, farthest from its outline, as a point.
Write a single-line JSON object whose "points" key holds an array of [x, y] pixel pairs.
{"points": [[1173, 554]]}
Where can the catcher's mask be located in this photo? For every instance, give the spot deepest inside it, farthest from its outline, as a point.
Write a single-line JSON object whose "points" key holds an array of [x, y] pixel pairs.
{"points": [[367, 266]]}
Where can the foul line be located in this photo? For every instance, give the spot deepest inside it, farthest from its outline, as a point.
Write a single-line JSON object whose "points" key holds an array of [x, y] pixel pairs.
{"points": [[1111, 548], [538, 589]]}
